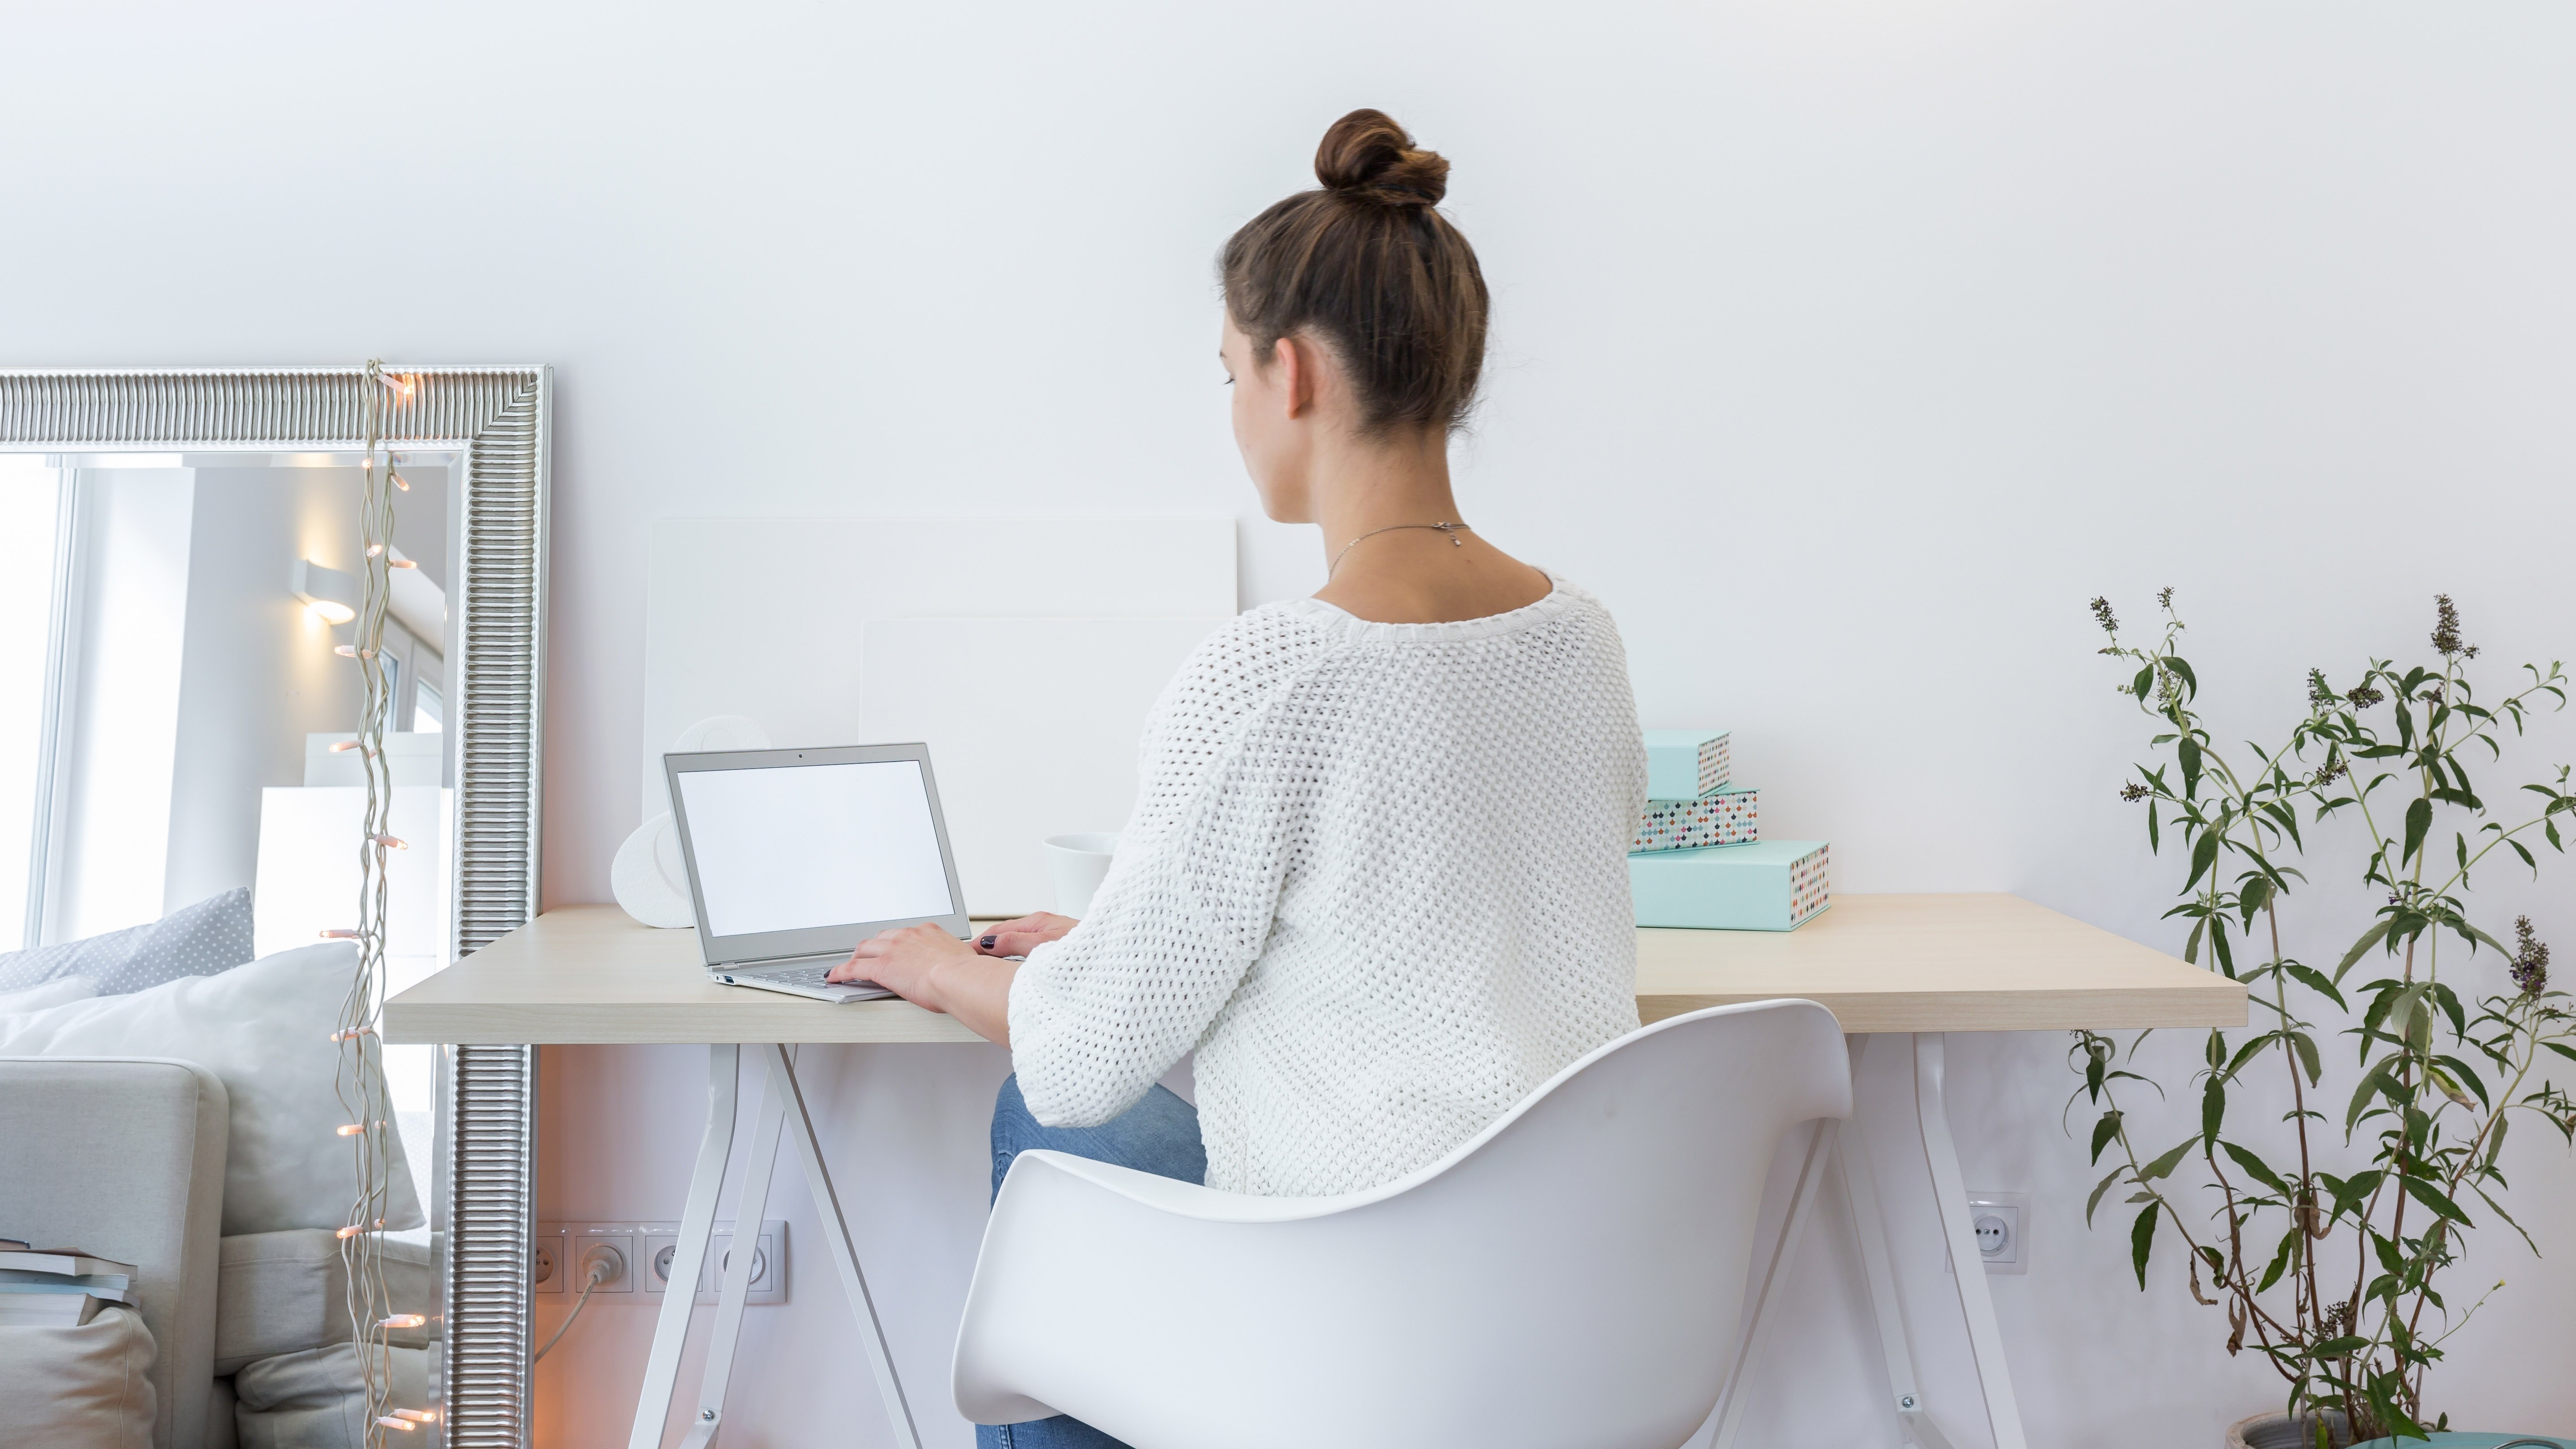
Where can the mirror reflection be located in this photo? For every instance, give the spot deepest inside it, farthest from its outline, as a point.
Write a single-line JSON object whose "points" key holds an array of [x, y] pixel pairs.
{"points": [[179, 839]]}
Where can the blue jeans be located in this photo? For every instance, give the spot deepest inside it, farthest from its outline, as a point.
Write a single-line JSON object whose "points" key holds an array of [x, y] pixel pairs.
{"points": [[1159, 1135]]}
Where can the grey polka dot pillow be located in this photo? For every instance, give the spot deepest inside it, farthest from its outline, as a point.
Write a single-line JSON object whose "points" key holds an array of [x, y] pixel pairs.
{"points": [[212, 935]]}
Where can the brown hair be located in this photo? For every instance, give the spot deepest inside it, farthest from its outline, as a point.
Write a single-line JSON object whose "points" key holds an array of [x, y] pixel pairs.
{"points": [[1370, 266]]}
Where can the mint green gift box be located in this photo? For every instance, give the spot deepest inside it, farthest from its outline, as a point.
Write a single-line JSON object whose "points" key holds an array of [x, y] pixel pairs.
{"points": [[1686, 764], [1769, 885]]}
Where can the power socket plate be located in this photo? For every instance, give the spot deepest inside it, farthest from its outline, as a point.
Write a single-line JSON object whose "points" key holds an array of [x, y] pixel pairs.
{"points": [[2012, 1210], [549, 1260], [769, 1269]]}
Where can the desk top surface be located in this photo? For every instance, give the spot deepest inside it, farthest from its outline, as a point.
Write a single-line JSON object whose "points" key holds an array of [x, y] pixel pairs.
{"points": [[1879, 963]]}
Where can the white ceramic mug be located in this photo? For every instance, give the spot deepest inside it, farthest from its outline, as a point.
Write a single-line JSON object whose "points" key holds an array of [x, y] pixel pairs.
{"points": [[1078, 864]]}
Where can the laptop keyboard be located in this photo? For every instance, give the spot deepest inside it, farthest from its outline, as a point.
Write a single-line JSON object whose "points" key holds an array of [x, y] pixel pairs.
{"points": [[807, 976]]}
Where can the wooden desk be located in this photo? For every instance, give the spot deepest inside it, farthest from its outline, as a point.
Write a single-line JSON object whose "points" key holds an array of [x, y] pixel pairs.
{"points": [[1918, 965], [1879, 963]]}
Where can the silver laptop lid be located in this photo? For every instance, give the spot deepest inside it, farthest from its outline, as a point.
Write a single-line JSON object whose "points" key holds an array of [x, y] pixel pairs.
{"points": [[799, 852]]}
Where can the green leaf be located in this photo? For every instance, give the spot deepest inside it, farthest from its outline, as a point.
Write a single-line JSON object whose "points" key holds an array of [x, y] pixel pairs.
{"points": [[2213, 1107], [2361, 1096], [2191, 948], [2315, 980], [2189, 749], [2257, 1169], [2144, 684], [2431, 1197], [2204, 854], [2419, 819], [2307, 1050], [2155, 831], [2338, 1347], [2104, 1131], [2368, 939], [2280, 1260], [2164, 1166], [2189, 684], [2100, 1188], [2142, 1241]]}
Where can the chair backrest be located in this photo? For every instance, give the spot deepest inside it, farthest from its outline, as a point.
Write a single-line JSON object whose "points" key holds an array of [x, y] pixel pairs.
{"points": [[1571, 1278]]}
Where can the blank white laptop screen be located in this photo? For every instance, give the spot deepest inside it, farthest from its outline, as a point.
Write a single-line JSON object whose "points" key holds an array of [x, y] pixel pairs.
{"points": [[798, 846]]}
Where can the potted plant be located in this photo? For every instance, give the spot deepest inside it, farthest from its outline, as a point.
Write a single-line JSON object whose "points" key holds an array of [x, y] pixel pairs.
{"points": [[2327, 1236]]}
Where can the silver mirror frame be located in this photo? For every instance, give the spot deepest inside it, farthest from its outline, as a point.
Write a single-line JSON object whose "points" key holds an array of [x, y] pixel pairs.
{"points": [[499, 419]]}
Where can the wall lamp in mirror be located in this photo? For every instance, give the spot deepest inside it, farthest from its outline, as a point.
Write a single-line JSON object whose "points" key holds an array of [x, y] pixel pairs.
{"points": [[331, 595]]}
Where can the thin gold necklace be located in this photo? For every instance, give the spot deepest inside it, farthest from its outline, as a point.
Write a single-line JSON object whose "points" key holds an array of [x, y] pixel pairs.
{"points": [[1450, 529]]}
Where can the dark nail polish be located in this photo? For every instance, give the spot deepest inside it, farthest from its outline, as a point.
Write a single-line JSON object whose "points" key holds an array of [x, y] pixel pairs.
{"points": [[987, 942]]}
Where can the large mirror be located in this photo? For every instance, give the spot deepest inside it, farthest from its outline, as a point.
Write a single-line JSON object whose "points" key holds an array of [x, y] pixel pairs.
{"points": [[182, 806]]}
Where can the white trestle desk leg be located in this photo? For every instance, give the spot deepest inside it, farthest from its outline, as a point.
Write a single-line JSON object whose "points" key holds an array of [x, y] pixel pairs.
{"points": [[750, 1206], [1950, 1195], [836, 1236], [1860, 1191], [1775, 1280], [697, 1221]]}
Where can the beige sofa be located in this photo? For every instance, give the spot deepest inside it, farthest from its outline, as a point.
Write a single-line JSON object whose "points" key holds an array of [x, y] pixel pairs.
{"points": [[124, 1157]]}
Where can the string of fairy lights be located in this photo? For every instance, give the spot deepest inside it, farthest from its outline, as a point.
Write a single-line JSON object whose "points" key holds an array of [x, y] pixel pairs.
{"points": [[360, 1079]]}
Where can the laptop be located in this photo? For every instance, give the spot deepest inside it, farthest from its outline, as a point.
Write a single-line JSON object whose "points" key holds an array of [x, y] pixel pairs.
{"points": [[796, 856]]}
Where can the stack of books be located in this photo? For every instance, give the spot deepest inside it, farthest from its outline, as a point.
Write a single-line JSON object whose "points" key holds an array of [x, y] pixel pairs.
{"points": [[58, 1287], [1699, 859]]}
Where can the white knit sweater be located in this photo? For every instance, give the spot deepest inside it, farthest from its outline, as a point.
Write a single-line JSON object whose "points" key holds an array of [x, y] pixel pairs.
{"points": [[1376, 877]]}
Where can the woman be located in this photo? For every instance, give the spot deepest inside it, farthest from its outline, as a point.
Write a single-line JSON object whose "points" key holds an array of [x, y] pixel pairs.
{"points": [[1376, 873]]}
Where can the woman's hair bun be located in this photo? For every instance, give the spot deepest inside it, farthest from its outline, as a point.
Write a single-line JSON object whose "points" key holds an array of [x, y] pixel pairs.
{"points": [[1367, 154]]}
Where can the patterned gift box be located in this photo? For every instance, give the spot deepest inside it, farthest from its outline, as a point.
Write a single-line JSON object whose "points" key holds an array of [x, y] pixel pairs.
{"points": [[1685, 764], [1770, 885], [1731, 816]]}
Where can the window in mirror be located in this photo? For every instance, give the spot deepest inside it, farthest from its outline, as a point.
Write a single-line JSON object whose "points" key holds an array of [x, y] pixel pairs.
{"points": [[426, 710], [30, 548]]}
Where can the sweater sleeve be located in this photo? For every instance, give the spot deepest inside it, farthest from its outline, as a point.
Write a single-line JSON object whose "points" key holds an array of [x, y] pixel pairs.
{"points": [[1098, 1016]]}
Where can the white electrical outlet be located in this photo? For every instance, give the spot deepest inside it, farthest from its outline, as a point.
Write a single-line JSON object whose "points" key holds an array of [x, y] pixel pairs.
{"points": [[661, 1246], [583, 1246], [1999, 1222], [548, 1260]]}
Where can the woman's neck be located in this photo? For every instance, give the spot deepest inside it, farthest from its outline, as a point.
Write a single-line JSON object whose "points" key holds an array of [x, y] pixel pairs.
{"points": [[1385, 562]]}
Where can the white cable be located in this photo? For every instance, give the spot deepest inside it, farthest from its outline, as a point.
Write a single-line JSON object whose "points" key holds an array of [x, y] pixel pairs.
{"points": [[602, 1269]]}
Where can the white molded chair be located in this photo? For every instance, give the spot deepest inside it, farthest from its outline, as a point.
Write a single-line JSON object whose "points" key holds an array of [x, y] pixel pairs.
{"points": [[1569, 1278]]}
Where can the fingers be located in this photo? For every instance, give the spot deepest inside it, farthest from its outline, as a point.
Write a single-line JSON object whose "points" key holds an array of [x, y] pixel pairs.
{"points": [[1013, 943], [849, 970]]}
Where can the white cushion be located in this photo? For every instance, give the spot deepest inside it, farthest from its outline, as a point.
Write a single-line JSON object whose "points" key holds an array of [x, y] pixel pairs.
{"points": [[78, 1388], [265, 1030], [288, 1292], [52, 993]]}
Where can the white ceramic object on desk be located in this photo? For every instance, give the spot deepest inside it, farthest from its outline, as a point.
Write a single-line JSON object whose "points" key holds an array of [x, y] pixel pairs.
{"points": [[648, 877], [1078, 864]]}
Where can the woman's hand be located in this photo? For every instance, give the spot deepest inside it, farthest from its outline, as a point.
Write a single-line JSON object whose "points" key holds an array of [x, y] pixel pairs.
{"points": [[1020, 937], [937, 972]]}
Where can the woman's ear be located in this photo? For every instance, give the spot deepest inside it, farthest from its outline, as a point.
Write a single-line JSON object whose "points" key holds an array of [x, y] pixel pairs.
{"points": [[1296, 375]]}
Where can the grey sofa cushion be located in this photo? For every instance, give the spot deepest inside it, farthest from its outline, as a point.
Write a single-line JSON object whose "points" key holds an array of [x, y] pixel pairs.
{"points": [[212, 935], [78, 1388], [317, 1399], [287, 1292]]}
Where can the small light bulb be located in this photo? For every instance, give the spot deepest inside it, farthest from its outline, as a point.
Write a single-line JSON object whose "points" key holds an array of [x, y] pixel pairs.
{"points": [[417, 1416], [337, 934], [406, 1425], [350, 1129], [340, 746], [401, 1320], [374, 548], [401, 563], [353, 1033], [402, 482], [348, 1232], [389, 843], [345, 651]]}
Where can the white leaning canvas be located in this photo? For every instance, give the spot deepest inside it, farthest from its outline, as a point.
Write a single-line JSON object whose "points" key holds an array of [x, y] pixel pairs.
{"points": [[265, 1031], [1053, 754], [765, 616]]}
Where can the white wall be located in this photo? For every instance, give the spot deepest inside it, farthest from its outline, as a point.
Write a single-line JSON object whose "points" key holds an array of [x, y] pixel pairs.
{"points": [[259, 674], [1846, 348]]}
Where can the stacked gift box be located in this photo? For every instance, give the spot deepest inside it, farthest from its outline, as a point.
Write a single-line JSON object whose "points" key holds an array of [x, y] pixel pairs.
{"points": [[1699, 859]]}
